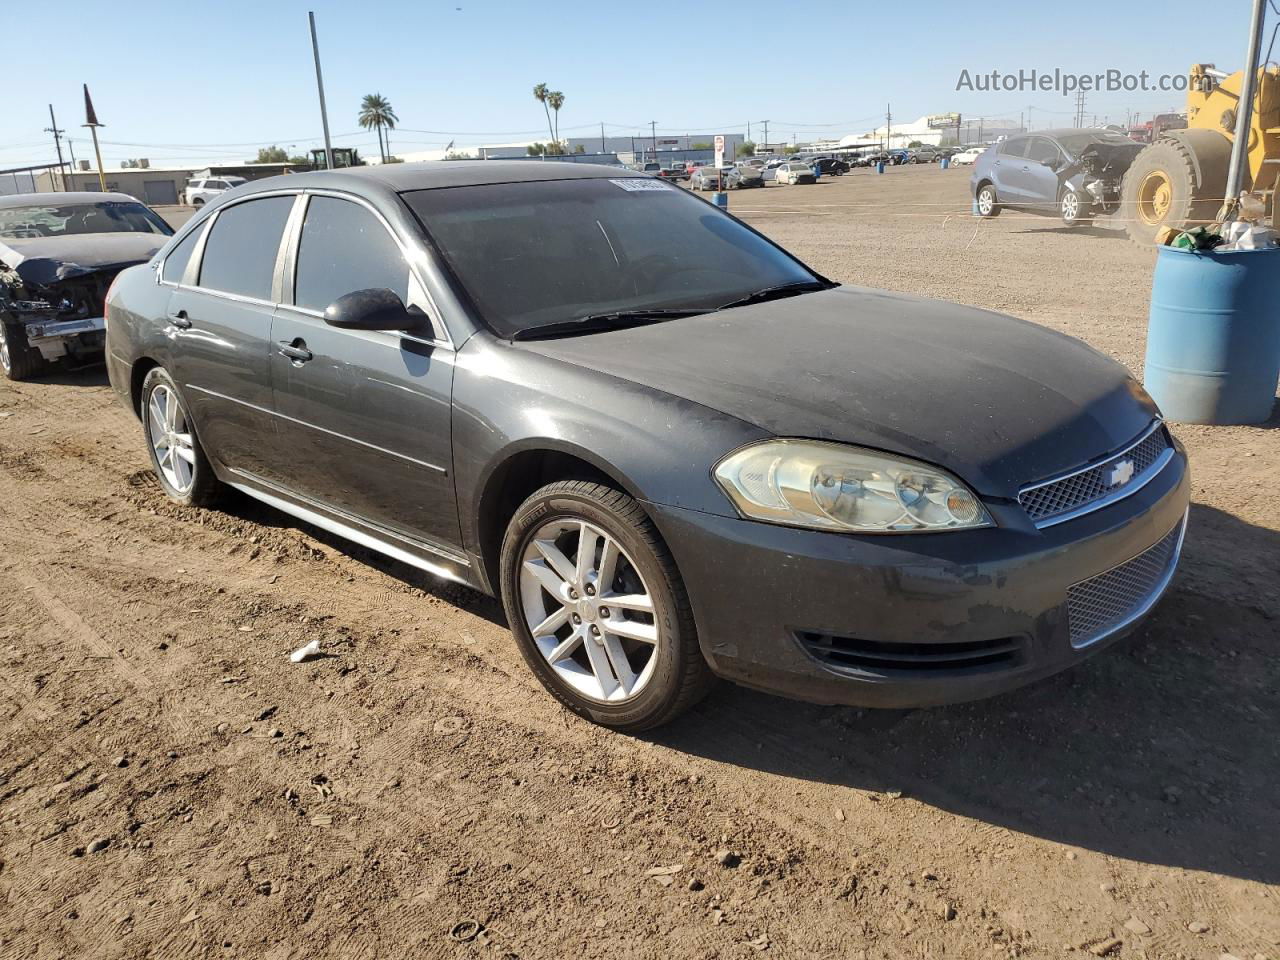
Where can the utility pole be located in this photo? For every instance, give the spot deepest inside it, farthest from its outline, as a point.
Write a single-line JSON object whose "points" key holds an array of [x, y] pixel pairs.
{"points": [[1244, 113], [1022, 122], [888, 127], [653, 132], [57, 142], [602, 150], [324, 113], [766, 135]]}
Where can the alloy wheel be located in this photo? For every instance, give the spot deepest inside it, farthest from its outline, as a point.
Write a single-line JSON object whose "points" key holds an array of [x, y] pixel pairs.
{"points": [[589, 610], [985, 201], [1070, 206], [171, 439], [6, 362]]}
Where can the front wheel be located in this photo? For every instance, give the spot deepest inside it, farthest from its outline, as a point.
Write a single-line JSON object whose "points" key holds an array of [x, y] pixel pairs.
{"points": [[176, 454], [598, 608], [1074, 208], [986, 200], [18, 360]]}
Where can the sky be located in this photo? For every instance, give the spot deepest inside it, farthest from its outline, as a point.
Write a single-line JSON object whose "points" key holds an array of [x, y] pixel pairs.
{"points": [[213, 82]]}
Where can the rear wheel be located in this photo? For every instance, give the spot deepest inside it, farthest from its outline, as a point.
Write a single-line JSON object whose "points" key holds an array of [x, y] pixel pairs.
{"points": [[988, 206], [18, 361], [598, 608], [176, 454]]}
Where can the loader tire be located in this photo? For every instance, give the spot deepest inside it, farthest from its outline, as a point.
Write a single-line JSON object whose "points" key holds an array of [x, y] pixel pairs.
{"points": [[1166, 186]]}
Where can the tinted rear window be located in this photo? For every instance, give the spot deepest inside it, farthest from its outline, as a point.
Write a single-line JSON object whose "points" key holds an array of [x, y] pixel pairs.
{"points": [[240, 256]]}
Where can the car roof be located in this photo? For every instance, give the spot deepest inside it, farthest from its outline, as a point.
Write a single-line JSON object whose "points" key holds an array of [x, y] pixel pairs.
{"points": [[428, 174], [61, 199]]}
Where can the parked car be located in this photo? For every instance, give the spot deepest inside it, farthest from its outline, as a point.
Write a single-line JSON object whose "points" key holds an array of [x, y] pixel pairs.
{"points": [[749, 176], [925, 154], [715, 178], [201, 191], [59, 252], [674, 172], [832, 166], [796, 172], [1073, 173], [544, 381], [967, 156]]}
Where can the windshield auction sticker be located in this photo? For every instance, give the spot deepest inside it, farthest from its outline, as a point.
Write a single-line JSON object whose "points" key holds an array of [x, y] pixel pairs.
{"points": [[640, 184]]}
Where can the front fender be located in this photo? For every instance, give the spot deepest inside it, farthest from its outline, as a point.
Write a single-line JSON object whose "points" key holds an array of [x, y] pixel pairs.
{"points": [[658, 447]]}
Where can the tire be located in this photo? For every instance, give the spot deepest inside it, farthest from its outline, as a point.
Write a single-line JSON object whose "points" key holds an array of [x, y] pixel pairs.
{"points": [[197, 202], [988, 204], [1074, 208], [668, 677], [18, 361], [1161, 187], [203, 489]]}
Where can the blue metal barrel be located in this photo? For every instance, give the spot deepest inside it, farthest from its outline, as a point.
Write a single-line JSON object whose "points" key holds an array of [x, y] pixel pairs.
{"points": [[1213, 337], [946, 162], [879, 166], [720, 199]]}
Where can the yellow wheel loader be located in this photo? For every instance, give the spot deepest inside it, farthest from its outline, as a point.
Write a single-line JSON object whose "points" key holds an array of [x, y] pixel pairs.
{"points": [[1179, 179]]}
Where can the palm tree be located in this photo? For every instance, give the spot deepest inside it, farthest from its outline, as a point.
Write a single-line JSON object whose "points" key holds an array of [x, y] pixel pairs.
{"points": [[376, 113], [541, 94], [556, 99]]}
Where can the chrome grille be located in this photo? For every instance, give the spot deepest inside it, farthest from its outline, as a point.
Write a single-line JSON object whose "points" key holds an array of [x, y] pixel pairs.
{"points": [[1050, 502], [1105, 603]]}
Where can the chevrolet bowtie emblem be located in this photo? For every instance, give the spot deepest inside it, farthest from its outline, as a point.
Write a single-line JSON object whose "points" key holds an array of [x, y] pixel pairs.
{"points": [[1120, 474]]}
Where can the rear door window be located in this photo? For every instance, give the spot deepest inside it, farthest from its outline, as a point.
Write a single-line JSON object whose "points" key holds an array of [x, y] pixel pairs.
{"points": [[175, 265], [240, 255], [1017, 147], [345, 248]]}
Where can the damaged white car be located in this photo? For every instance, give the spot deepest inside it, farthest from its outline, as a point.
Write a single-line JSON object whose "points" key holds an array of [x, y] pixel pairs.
{"points": [[59, 253]]}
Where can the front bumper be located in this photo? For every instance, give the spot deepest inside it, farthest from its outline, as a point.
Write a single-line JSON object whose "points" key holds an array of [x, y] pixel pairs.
{"points": [[929, 618], [59, 338]]}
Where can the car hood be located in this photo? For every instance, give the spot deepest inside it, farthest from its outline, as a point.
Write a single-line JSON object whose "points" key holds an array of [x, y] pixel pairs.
{"points": [[999, 401], [45, 260]]}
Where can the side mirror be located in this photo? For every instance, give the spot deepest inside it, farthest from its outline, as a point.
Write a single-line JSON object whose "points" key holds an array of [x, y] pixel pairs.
{"points": [[374, 309]]}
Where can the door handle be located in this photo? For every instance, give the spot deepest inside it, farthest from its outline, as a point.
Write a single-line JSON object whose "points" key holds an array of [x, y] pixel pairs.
{"points": [[180, 320], [295, 350]]}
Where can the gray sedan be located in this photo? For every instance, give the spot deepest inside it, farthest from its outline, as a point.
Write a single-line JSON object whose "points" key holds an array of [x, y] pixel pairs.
{"points": [[672, 449]]}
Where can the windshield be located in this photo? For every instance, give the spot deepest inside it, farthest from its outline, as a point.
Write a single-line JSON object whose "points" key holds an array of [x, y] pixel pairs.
{"points": [[1075, 143], [547, 252], [54, 220]]}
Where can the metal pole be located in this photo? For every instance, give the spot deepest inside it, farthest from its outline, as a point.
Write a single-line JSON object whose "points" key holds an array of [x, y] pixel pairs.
{"points": [[602, 150], [1244, 112], [653, 130], [102, 179], [57, 142], [324, 113]]}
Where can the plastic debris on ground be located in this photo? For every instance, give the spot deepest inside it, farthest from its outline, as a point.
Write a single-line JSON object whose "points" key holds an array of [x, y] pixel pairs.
{"points": [[303, 654]]}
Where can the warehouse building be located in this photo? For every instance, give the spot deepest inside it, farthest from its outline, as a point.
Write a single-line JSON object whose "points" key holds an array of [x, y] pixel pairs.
{"points": [[153, 185]]}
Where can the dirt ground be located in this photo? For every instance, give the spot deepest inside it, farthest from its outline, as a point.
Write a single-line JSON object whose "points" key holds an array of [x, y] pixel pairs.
{"points": [[172, 786]]}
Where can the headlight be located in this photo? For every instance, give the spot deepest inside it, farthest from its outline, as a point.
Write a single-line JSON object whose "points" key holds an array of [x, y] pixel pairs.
{"points": [[830, 486]]}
